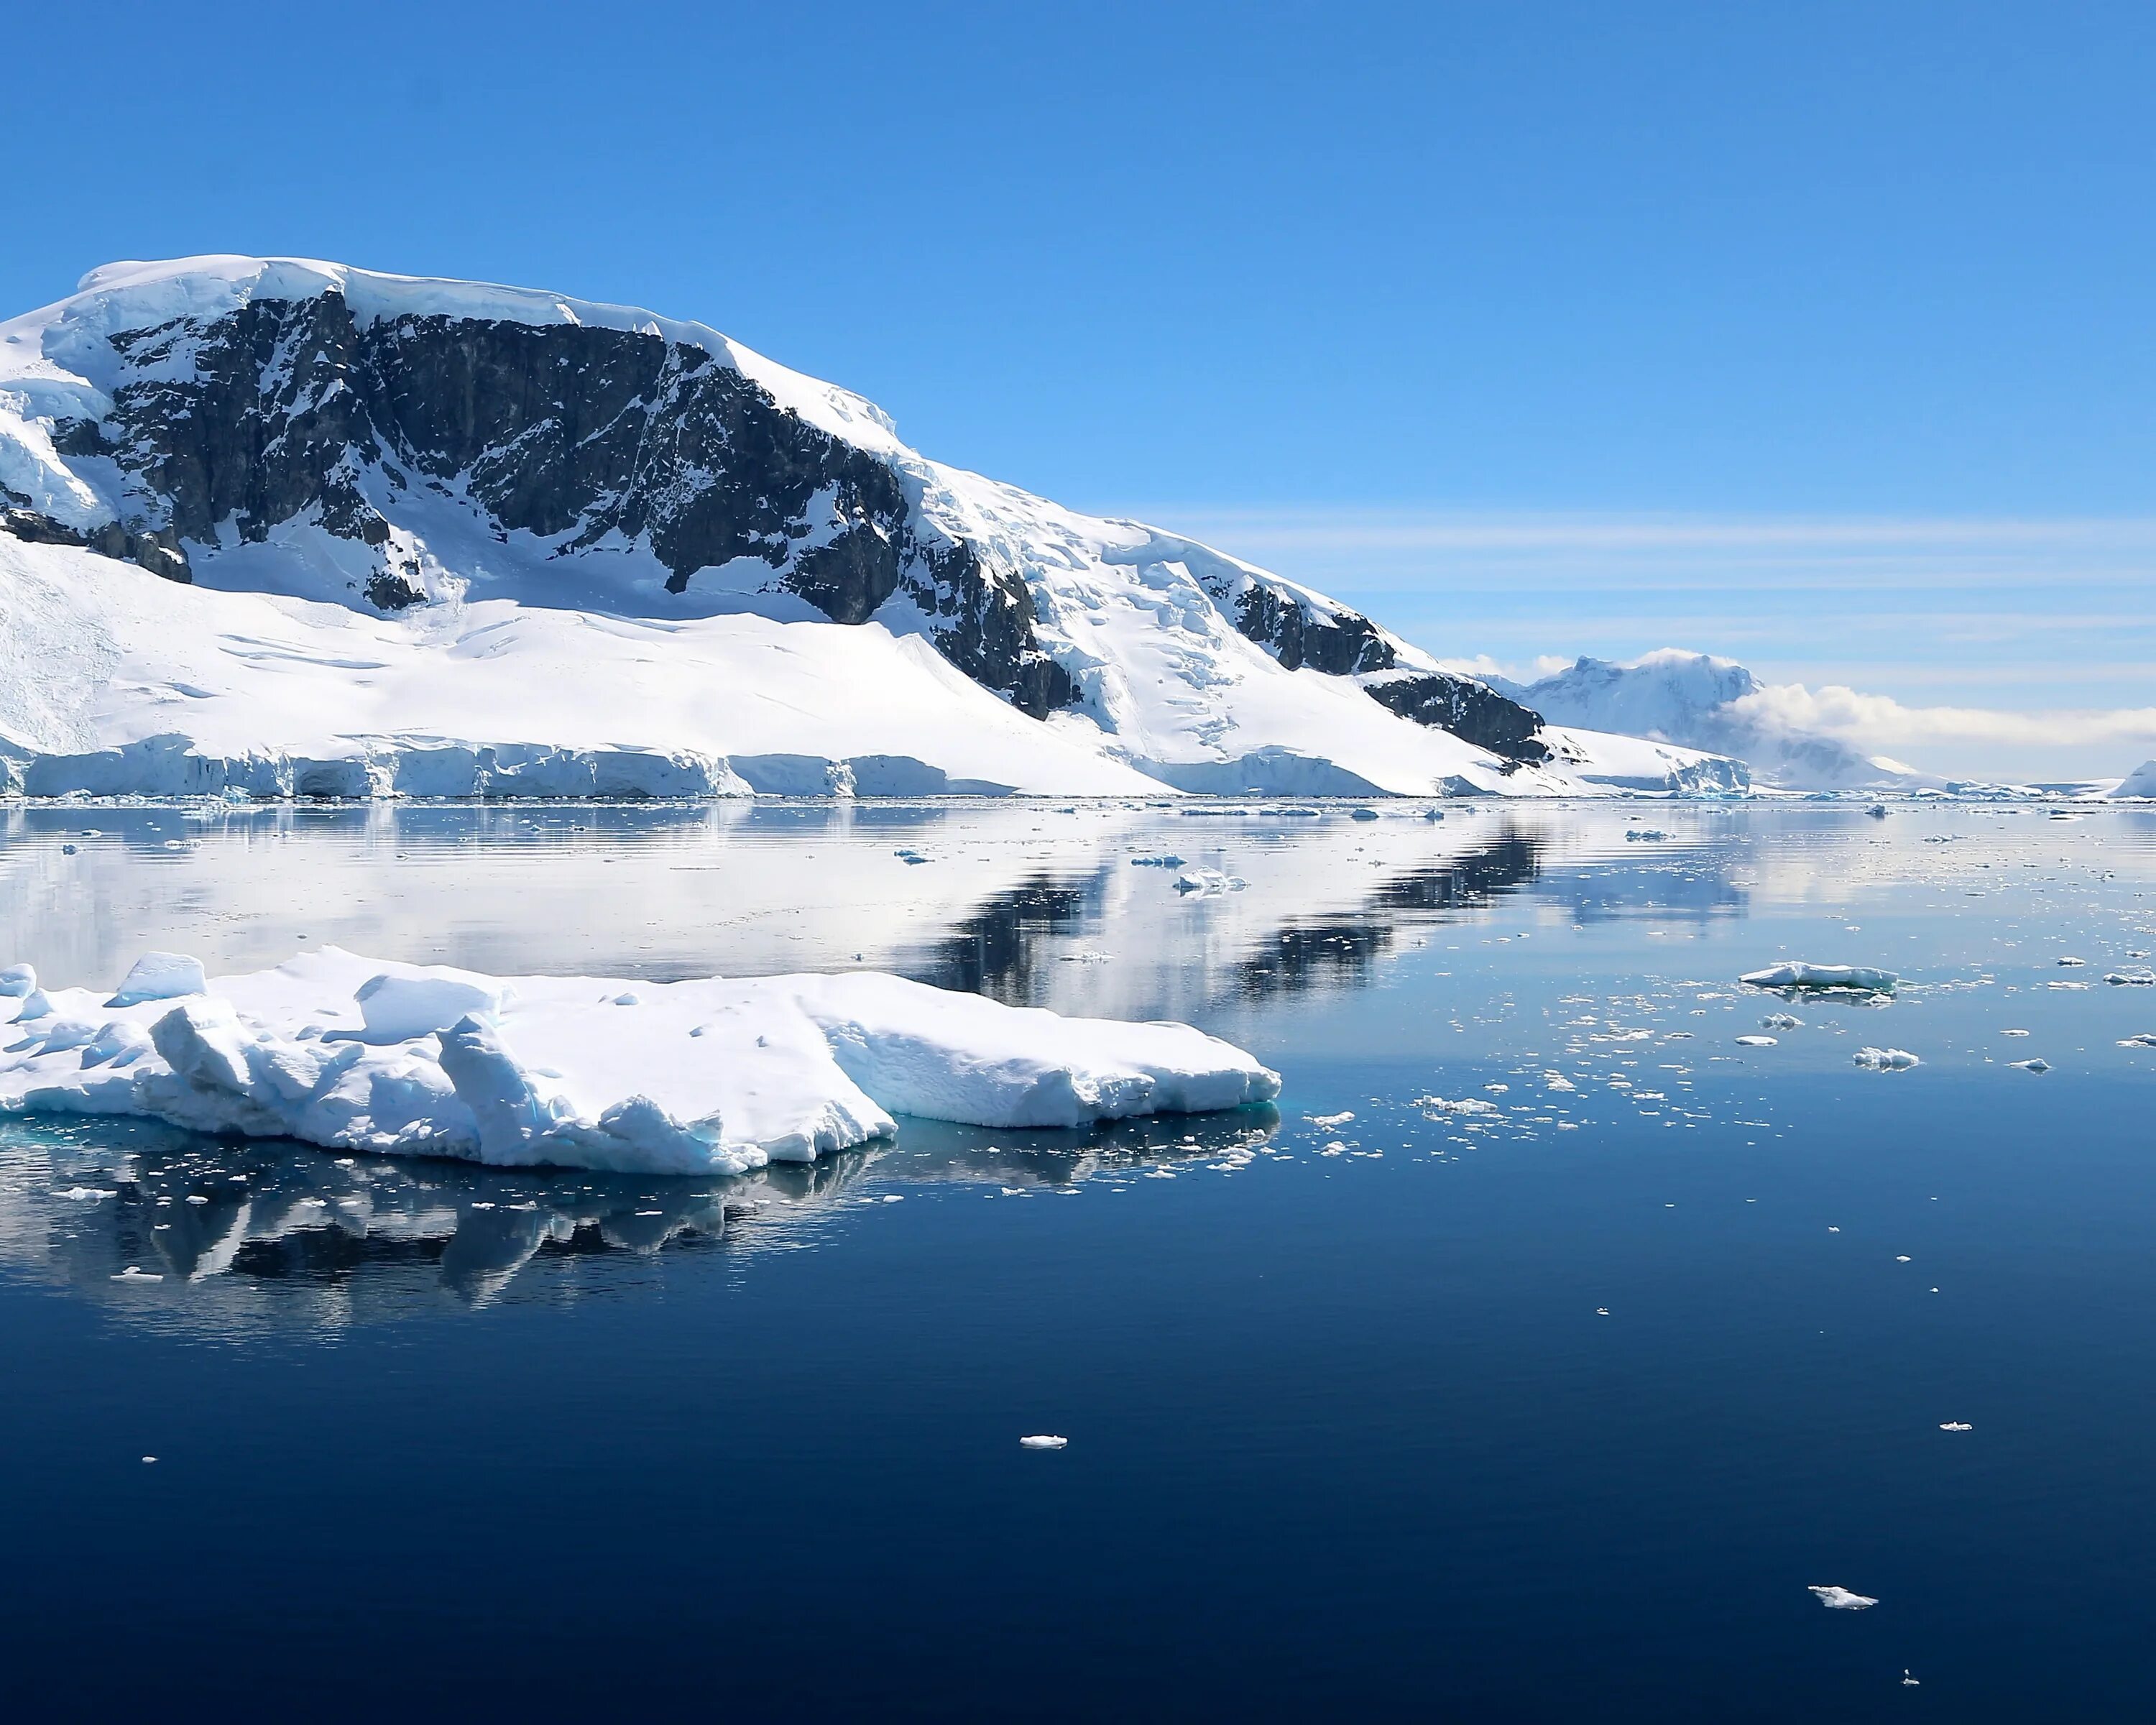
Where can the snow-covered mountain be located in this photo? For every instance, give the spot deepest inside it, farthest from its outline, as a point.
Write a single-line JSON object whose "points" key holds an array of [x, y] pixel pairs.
{"points": [[280, 526], [1715, 704]]}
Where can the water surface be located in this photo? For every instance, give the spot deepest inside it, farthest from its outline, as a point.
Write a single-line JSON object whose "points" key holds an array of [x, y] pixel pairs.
{"points": [[1549, 1407]]}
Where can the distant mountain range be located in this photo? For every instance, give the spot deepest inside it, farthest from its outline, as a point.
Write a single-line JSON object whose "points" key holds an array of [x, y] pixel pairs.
{"points": [[270, 527]]}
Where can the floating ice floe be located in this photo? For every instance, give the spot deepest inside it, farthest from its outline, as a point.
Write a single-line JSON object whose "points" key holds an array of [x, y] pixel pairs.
{"points": [[1756, 1042], [2143, 978], [1886, 1060], [1209, 883], [710, 1076], [2038, 1064], [1465, 1105], [2146, 1038], [1840, 1599], [1798, 974], [1955, 1425], [1043, 1441]]}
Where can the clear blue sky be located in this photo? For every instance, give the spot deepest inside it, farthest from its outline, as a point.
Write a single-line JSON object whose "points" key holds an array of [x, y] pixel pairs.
{"points": [[1602, 263]]}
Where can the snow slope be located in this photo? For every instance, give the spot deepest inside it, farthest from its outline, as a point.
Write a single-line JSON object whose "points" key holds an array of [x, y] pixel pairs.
{"points": [[689, 1077], [442, 537], [1698, 702]]}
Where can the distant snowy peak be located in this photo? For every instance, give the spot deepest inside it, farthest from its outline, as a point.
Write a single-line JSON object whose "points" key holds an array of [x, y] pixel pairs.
{"points": [[1699, 702], [410, 449]]}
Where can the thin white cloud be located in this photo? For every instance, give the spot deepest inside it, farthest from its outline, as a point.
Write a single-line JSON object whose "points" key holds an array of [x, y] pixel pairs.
{"points": [[1879, 722]]}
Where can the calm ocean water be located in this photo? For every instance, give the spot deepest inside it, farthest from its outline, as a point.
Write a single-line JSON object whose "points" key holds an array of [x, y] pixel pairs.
{"points": [[1550, 1406]]}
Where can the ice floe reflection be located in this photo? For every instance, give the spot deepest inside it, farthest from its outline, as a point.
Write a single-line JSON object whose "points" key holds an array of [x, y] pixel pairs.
{"points": [[235, 1236]]}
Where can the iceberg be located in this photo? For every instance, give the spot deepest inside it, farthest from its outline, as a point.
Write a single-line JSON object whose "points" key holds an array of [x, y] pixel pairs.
{"points": [[1798, 974], [708, 1075]]}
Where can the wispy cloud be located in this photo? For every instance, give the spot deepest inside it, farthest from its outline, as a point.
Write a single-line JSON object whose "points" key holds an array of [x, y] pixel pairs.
{"points": [[1880, 722]]}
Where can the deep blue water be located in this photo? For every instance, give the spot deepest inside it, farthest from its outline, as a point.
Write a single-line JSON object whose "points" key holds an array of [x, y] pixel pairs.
{"points": [[1351, 1434]]}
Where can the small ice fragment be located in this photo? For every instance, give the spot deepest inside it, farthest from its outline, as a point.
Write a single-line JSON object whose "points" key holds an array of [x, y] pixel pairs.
{"points": [[629, 998], [1209, 883], [2013, 1033], [2146, 1039], [1955, 1425], [1902, 1258], [2142, 979], [1757, 1042], [1331, 1120], [2073, 963], [1781, 1021], [2039, 1064], [1840, 1599], [1042, 1440], [147, 1460], [1602, 1311], [1646, 835], [1908, 1681], [17, 981], [132, 1274], [1886, 1060], [1156, 862]]}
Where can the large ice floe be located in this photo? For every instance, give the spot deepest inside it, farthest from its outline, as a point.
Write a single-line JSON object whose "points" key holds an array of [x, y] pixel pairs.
{"points": [[701, 1076], [1796, 973]]}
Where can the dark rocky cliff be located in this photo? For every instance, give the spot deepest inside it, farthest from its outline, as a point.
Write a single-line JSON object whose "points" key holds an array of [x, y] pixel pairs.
{"points": [[291, 409]]}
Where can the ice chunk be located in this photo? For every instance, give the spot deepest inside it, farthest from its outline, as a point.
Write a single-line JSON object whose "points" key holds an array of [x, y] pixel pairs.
{"points": [[1798, 974], [1886, 1060], [2038, 1064], [395, 1009], [696, 1076], [1209, 883], [1955, 1425], [2146, 1039], [1781, 1021], [1756, 1042], [17, 981], [1840, 1599], [2141, 978], [1156, 862], [1043, 1441], [1465, 1105], [160, 975], [1645, 835]]}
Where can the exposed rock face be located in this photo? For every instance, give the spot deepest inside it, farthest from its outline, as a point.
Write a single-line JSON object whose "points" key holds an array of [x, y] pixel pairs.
{"points": [[1298, 630], [1464, 707], [293, 410], [155, 550], [1339, 643]]}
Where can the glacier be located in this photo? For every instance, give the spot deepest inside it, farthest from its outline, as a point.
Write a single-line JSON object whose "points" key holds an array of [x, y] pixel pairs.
{"points": [[708, 1075], [277, 527]]}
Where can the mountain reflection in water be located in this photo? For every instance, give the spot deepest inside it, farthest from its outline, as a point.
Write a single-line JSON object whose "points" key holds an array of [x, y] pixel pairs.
{"points": [[235, 1236]]}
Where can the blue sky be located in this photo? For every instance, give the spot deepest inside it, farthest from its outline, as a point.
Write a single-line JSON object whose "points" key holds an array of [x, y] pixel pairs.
{"points": [[1819, 334]]}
